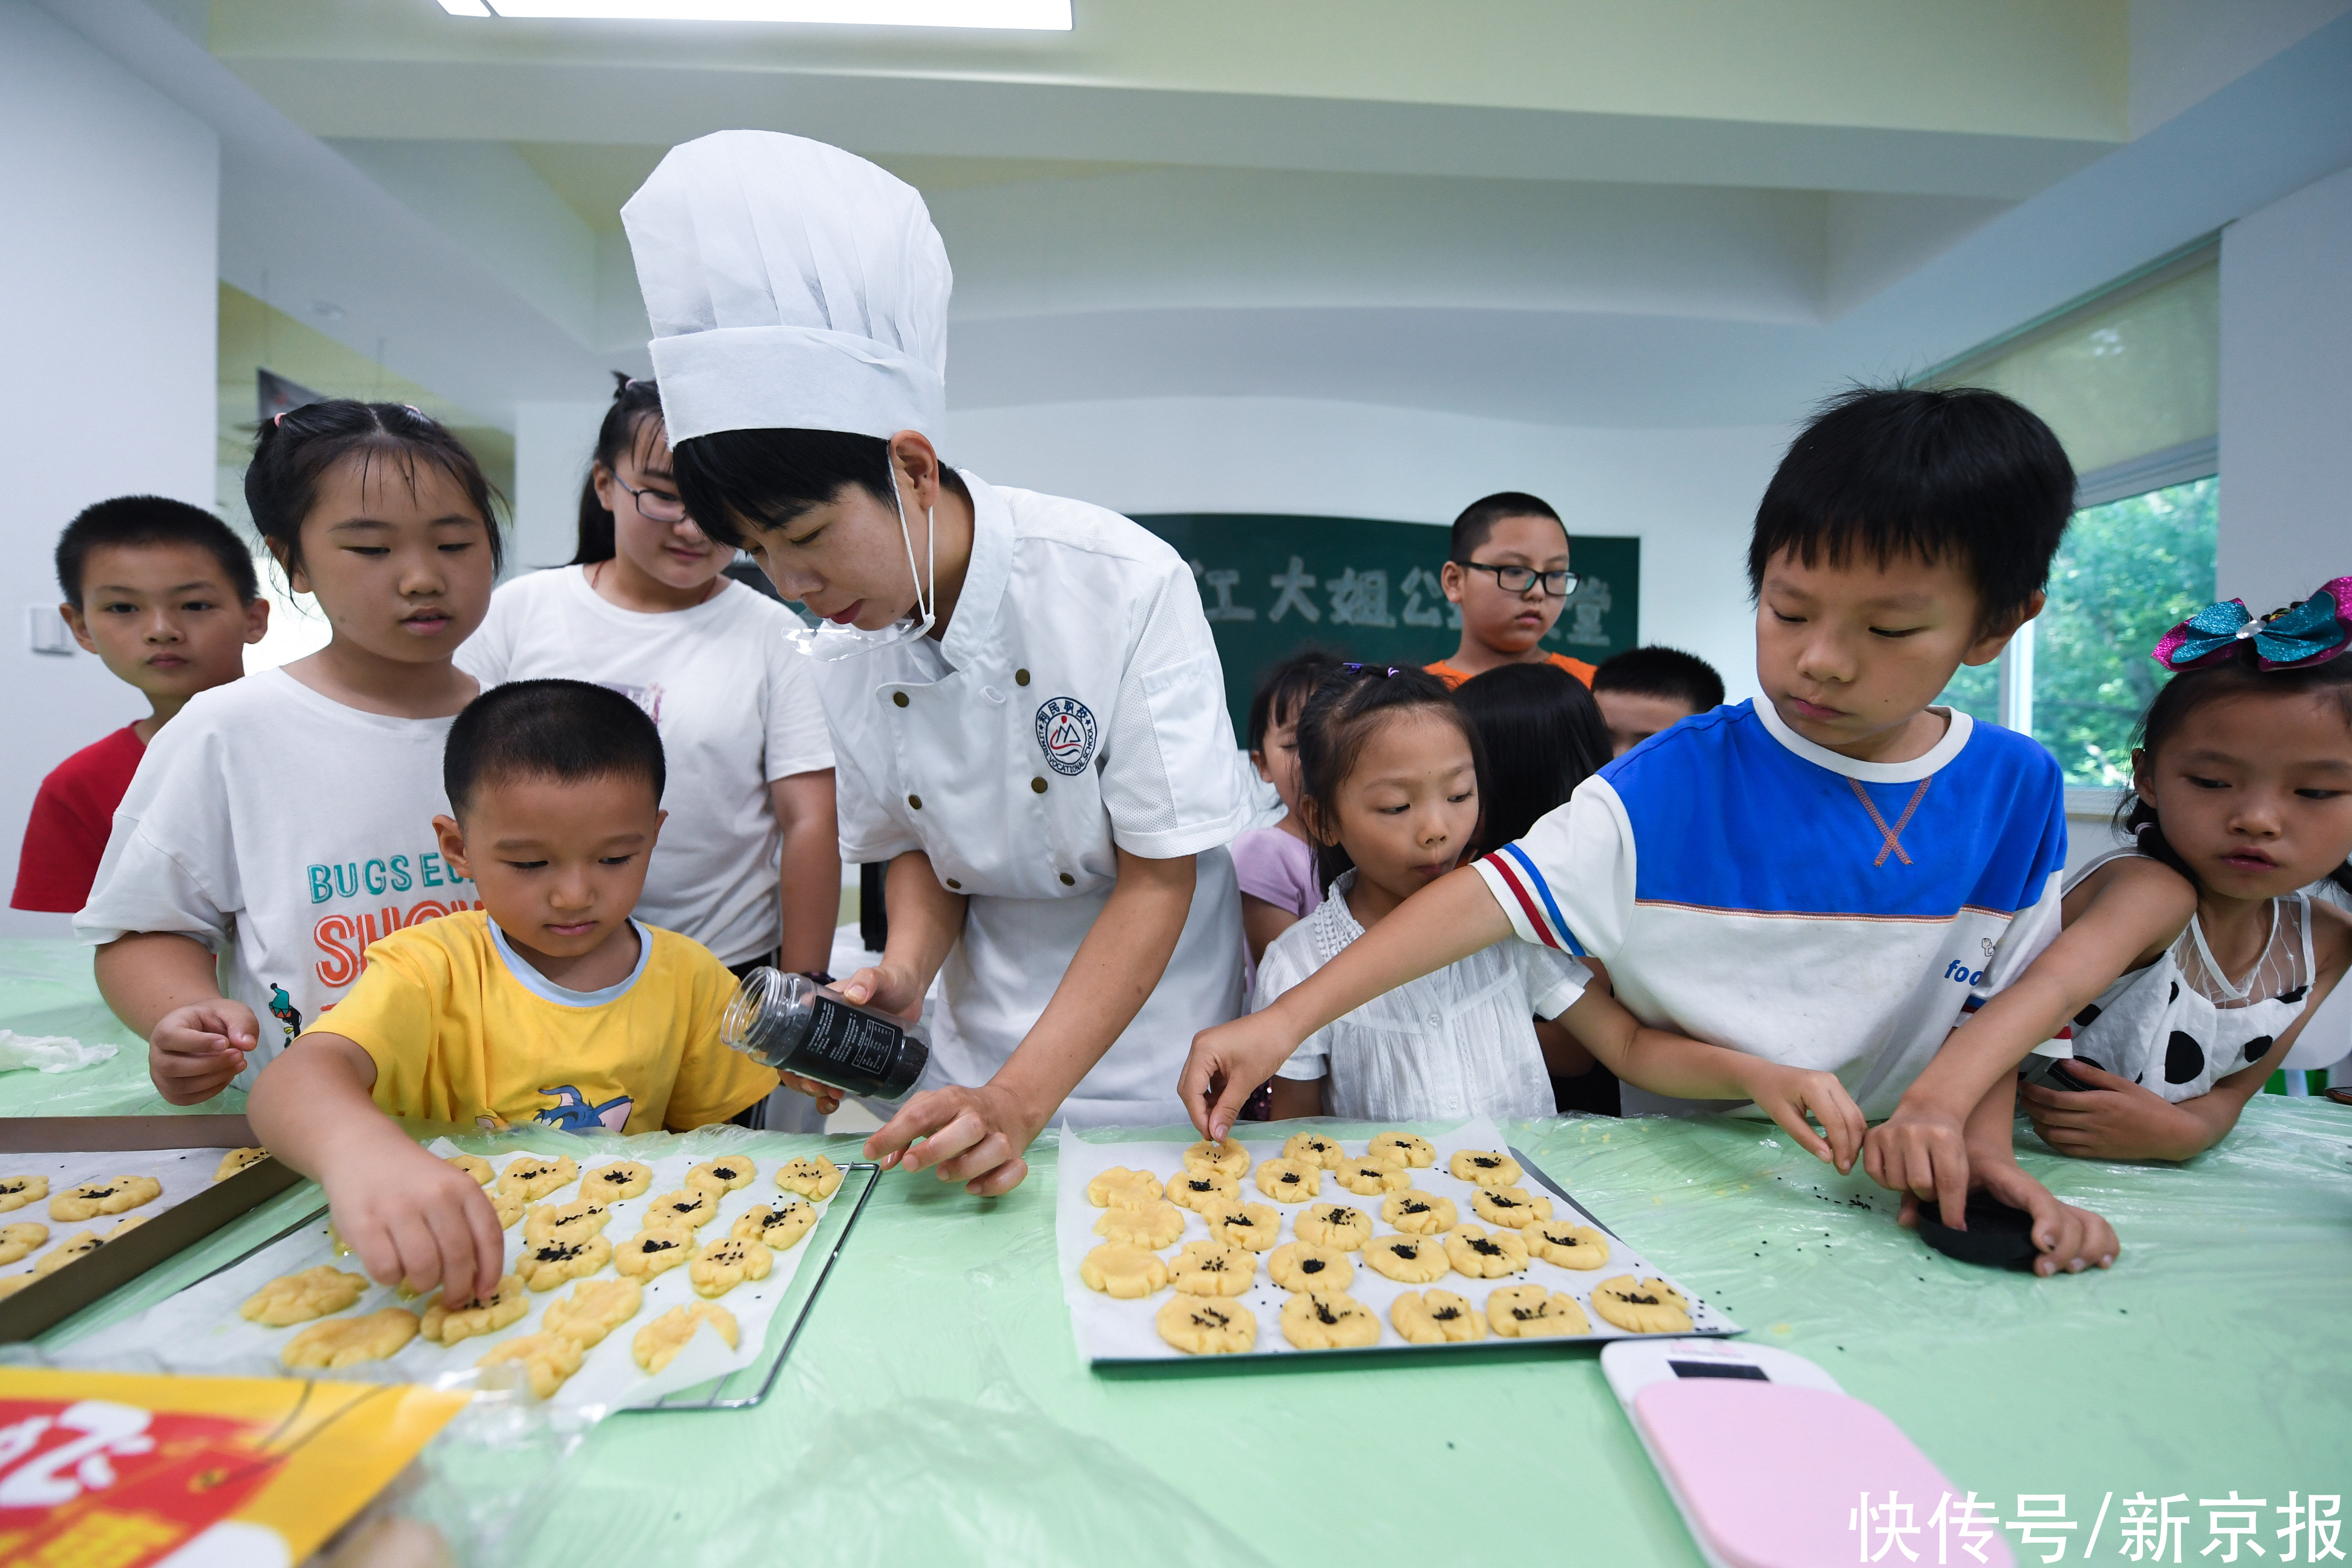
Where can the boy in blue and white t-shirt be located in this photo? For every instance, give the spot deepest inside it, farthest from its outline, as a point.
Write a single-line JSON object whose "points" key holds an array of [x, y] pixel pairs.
{"points": [[1832, 877]]}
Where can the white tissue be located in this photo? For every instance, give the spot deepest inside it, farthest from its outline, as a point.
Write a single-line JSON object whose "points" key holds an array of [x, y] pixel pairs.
{"points": [[51, 1052]]}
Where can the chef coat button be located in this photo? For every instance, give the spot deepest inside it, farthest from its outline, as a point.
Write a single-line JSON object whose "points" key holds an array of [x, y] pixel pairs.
{"points": [[915, 801], [900, 698], [1020, 678], [1068, 881], [1037, 787], [954, 886]]}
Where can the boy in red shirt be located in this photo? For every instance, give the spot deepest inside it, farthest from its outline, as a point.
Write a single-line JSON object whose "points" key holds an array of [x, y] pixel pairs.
{"points": [[1506, 570], [166, 595]]}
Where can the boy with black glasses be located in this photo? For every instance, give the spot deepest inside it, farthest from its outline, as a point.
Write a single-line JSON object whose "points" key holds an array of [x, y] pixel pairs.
{"points": [[1507, 571]]}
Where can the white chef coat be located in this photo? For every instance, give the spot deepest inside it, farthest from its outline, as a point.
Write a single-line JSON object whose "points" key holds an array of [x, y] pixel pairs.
{"points": [[1076, 703]]}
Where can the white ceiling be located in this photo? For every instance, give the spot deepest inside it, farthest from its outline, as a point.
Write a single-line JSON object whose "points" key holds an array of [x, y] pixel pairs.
{"points": [[1574, 212]]}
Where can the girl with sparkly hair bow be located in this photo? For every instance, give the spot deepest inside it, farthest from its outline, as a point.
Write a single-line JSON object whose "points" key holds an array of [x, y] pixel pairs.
{"points": [[2192, 961]]}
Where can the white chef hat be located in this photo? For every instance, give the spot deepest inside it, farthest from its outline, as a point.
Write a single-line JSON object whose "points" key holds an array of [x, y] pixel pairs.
{"points": [[790, 285]]}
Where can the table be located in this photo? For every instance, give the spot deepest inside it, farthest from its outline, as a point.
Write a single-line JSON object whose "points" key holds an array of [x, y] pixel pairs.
{"points": [[934, 1402]]}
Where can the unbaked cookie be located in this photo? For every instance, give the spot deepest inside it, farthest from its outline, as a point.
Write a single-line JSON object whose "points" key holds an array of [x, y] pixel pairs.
{"points": [[1256, 1226], [1407, 1259], [15, 1192], [1566, 1244], [1335, 1224], [21, 1239], [1229, 1157], [547, 1359], [779, 1228], [1438, 1318], [1196, 1189], [1403, 1148], [1512, 1206], [444, 1325], [1532, 1312], [534, 1178], [81, 1244], [1422, 1214], [545, 1264], [1483, 1255], [1327, 1320], [658, 1343], [1120, 1187], [473, 1165], [1200, 1326], [1213, 1269], [16, 1282], [1643, 1306], [348, 1342], [1116, 1268], [113, 1195], [616, 1183], [133, 1223], [594, 1309], [724, 1174], [1304, 1266], [506, 1203], [1151, 1228], [723, 1265], [237, 1159], [811, 1175], [1289, 1180], [1374, 1174], [299, 1297], [1487, 1167], [687, 1208], [652, 1253], [566, 1222], [1313, 1149]]}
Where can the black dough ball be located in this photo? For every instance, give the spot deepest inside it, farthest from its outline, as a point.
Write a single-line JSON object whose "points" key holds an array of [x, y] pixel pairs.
{"points": [[1997, 1237]]}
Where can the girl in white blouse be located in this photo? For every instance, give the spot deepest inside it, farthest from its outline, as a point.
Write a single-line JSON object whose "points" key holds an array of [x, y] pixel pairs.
{"points": [[1390, 770]]}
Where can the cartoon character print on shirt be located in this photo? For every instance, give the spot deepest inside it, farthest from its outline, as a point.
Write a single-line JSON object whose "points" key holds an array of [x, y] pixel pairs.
{"points": [[573, 1114], [1067, 734], [283, 1008], [649, 698]]}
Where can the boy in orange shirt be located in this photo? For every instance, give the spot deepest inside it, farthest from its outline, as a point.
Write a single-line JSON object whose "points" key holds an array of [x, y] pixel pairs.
{"points": [[1507, 570], [548, 1003]]}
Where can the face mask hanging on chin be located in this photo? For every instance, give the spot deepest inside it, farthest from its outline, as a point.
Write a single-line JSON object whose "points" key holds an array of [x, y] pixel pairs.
{"points": [[833, 643]]}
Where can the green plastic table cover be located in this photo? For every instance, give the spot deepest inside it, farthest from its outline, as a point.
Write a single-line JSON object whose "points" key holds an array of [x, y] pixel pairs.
{"points": [[935, 1408]]}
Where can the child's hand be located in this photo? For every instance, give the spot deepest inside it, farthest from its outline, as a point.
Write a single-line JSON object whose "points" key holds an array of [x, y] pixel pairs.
{"points": [[2067, 1237], [1922, 1152], [827, 1098], [197, 1049], [2115, 1119], [416, 1220], [1227, 1064], [1786, 1093]]}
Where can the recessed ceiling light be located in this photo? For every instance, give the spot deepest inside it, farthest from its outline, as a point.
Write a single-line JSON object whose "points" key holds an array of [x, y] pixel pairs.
{"points": [[1039, 15]]}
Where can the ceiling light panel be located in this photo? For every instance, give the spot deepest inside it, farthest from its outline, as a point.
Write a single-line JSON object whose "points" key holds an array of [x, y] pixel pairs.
{"points": [[1036, 16]]}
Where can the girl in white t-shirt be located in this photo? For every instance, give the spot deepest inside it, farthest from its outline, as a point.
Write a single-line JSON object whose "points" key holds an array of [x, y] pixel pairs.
{"points": [[749, 861], [285, 821]]}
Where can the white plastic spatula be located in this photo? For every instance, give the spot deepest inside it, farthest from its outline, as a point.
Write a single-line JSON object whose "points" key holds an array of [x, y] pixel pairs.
{"points": [[1773, 1466]]}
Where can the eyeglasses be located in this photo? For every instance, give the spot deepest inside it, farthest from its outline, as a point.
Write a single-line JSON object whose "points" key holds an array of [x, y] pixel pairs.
{"points": [[655, 506], [1519, 579]]}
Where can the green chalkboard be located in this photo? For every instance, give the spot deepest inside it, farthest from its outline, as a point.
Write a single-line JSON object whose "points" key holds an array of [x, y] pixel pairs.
{"points": [[1369, 589]]}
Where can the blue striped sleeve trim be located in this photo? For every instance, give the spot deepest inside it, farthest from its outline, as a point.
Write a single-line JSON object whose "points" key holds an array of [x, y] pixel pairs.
{"points": [[1543, 891]]}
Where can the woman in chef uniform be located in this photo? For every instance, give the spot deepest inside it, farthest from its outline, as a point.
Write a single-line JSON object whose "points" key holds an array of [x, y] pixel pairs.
{"points": [[1027, 712]]}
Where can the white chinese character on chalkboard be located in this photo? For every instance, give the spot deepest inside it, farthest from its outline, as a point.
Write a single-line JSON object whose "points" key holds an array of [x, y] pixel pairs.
{"points": [[1580, 626], [1293, 583], [1361, 599], [1422, 580], [1223, 582]]}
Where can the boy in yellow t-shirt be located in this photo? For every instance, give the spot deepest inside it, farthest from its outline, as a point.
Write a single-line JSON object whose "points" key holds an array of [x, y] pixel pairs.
{"points": [[550, 1003]]}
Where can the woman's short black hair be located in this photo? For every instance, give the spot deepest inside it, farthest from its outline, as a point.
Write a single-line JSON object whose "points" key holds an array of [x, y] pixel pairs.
{"points": [[1666, 672], [2185, 693], [294, 450], [1477, 521], [1965, 476], [561, 729], [767, 478], [134, 521], [636, 406], [1284, 690], [1543, 735], [1347, 706]]}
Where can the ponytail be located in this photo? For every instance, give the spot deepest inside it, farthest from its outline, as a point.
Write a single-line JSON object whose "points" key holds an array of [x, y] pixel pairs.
{"points": [[633, 404]]}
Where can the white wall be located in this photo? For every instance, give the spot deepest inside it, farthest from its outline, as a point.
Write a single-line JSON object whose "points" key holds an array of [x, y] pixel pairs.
{"points": [[553, 442], [2286, 400], [112, 195], [1690, 494]]}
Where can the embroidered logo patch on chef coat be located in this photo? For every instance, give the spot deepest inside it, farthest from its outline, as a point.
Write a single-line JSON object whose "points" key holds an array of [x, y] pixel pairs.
{"points": [[1066, 733]]}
